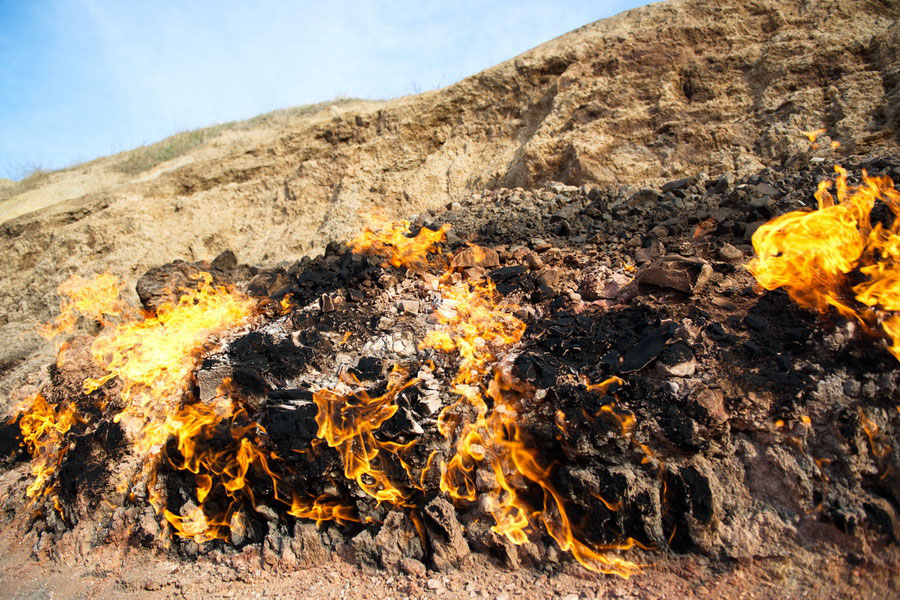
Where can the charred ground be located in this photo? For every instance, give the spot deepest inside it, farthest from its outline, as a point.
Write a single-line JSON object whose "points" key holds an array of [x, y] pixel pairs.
{"points": [[760, 429]]}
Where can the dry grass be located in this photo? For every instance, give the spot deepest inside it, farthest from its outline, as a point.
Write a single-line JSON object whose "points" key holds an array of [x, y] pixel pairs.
{"points": [[35, 178], [145, 158]]}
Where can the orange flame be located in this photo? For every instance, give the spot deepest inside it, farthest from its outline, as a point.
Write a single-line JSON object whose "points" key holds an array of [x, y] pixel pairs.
{"points": [[393, 240], [813, 254], [43, 429], [96, 298], [348, 422]]}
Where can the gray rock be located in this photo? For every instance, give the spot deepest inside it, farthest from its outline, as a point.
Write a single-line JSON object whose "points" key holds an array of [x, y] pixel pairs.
{"points": [[730, 254]]}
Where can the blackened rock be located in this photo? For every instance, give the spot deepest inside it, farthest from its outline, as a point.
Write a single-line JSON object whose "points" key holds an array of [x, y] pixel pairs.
{"points": [[677, 360], [882, 517], [10, 439], [686, 275], [755, 322], [505, 274], [613, 360], [402, 423], [267, 283], [765, 189], [699, 494], [364, 549], [369, 368], [638, 357], [291, 427]]}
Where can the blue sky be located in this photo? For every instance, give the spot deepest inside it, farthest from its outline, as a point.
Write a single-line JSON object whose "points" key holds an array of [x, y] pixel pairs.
{"points": [[86, 78]]}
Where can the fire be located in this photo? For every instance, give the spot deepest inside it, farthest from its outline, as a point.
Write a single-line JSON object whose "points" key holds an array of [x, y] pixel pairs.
{"points": [[480, 326], [323, 508], [348, 422], [394, 241], [96, 298], [816, 256], [43, 429], [154, 358], [220, 467]]}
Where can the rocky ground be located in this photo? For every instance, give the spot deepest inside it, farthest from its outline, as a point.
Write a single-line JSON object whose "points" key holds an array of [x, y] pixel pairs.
{"points": [[758, 415], [655, 94]]}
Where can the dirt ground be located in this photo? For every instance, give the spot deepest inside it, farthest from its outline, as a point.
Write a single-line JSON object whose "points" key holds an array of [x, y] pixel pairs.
{"points": [[109, 571]]}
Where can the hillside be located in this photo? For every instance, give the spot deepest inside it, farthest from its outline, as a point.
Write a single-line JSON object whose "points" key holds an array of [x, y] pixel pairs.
{"points": [[584, 370], [657, 93]]}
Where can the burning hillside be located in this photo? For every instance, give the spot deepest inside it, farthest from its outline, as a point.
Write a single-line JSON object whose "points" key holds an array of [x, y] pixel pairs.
{"points": [[592, 377], [673, 375]]}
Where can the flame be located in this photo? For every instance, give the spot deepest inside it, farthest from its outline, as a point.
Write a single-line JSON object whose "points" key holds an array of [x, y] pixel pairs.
{"points": [[154, 357], [479, 326], [348, 422], [323, 508], [96, 298], [814, 255], [221, 465], [393, 240], [813, 134], [43, 430]]}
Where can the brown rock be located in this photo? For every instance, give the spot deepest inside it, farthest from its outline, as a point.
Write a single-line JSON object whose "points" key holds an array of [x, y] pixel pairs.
{"points": [[533, 261], [476, 256], [397, 539], [548, 276], [686, 275], [730, 254], [307, 545], [447, 540], [713, 402]]}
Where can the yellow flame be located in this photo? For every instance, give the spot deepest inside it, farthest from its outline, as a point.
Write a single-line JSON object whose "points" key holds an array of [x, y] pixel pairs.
{"points": [[394, 241], [43, 430], [813, 134], [154, 357], [96, 298], [813, 254], [348, 422]]}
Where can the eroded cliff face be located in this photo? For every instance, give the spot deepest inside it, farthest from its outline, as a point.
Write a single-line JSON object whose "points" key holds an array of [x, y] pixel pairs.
{"points": [[656, 93]]}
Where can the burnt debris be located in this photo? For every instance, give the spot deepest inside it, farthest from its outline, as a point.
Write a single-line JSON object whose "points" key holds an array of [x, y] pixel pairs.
{"points": [[742, 425]]}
